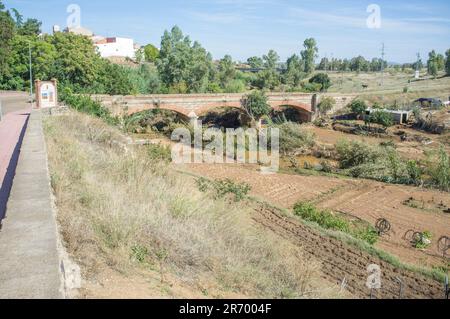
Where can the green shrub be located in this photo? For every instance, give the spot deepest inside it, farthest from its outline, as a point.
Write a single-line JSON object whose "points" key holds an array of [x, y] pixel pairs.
{"points": [[355, 153], [414, 172], [235, 86], [368, 234], [381, 117], [326, 105], [440, 172], [221, 188], [293, 137], [395, 164], [227, 186], [327, 220], [358, 106], [139, 253], [202, 184], [423, 241], [84, 103], [159, 152], [326, 167], [311, 87], [321, 79]]}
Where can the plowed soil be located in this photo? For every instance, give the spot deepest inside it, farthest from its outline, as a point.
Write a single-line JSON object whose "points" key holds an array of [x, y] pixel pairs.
{"points": [[342, 263], [360, 199]]}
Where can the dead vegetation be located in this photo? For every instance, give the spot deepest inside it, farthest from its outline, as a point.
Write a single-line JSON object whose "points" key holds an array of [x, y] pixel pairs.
{"points": [[121, 209]]}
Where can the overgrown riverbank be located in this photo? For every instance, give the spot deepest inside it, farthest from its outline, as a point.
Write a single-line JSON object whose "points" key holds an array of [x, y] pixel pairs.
{"points": [[121, 209]]}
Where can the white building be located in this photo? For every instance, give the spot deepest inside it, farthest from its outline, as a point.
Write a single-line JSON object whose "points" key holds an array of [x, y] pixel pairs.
{"points": [[115, 47]]}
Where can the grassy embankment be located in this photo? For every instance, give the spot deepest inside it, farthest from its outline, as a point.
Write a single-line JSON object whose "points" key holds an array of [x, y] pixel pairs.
{"points": [[123, 208]]}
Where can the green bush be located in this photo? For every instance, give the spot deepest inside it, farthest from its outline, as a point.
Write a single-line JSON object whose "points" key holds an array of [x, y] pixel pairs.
{"points": [[423, 240], [381, 117], [440, 172], [222, 188], [311, 87], [256, 104], [355, 153], [227, 186], [202, 184], [84, 103], [369, 234], [326, 167], [293, 137], [235, 86], [159, 152], [327, 220], [321, 79], [358, 106], [414, 172], [326, 105]]}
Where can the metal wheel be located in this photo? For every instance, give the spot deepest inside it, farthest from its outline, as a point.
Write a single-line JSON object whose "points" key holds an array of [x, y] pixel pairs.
{"points": [[383, 226], [444, 245]]}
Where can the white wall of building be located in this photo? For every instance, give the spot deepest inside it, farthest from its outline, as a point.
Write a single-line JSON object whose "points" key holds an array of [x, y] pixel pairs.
{"points": [[122, 47]]}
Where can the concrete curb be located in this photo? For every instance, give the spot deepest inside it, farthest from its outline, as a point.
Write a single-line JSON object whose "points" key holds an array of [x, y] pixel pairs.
{"points": [[29, 257]]}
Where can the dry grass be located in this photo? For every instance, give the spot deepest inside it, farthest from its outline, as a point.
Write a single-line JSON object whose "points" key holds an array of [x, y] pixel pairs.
{"points": [[119, 209], [393, 87]]}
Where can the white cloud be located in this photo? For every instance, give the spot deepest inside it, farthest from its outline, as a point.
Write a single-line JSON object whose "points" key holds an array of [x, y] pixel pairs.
{"points": [[423, 25]]}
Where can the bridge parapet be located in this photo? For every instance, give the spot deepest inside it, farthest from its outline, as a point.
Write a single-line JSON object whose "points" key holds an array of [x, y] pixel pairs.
{"points": [[191, 105]]}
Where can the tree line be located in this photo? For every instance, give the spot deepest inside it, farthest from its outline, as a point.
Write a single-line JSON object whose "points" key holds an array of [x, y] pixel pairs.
{"points": [[179, 66]]}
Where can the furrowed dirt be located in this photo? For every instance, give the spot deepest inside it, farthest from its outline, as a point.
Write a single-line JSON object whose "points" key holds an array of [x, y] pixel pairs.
{"points": [[360, 199], [341, 262]]}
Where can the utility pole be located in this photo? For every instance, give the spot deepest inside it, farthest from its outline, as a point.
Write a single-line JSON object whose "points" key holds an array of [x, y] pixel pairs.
{"points": [[382, 64], [331, 62], [418, 60], [417, 75], [31, 74]]}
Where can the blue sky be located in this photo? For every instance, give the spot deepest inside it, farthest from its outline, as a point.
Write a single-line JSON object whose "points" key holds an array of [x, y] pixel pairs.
{"points": [[243, 28]]}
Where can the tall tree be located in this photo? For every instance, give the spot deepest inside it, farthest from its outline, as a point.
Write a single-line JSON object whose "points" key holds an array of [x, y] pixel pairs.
{"points": [[6, 36], [184, 66], [30, 27], [440, 60], [309, 54], [77, 62], [43, 57], [295, 71], [432, 64], [271, 60], [227, 70], [151, 53], [324, 64], [255, 62], [256, 105]]}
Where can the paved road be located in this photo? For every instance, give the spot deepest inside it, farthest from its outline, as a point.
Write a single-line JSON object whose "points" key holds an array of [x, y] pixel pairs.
{"points": [[14, 101], [12, 128]]}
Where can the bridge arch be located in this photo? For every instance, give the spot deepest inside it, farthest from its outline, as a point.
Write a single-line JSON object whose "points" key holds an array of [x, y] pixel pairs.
{"points": [[225, 117], [166, 107], [211, 107], [293, 112]]}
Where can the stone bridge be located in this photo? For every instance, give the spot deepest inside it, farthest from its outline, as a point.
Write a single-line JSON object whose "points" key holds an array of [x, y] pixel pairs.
{"points": [[196, 105]]}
